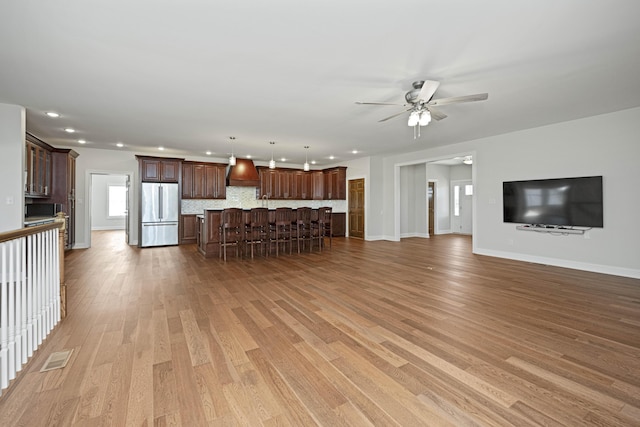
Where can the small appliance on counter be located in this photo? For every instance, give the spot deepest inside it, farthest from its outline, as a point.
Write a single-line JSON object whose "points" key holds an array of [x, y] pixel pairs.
{"points": [[42, 209]]}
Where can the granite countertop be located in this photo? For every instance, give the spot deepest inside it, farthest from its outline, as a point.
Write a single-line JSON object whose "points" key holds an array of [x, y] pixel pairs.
{"points": [[31, 220]]}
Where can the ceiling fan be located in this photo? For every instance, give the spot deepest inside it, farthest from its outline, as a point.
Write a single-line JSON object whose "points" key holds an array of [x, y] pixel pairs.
{"points": [[421, 109]]}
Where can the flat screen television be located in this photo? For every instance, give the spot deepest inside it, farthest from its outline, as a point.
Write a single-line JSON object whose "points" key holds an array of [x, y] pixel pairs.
{"points": [[568, 202]]}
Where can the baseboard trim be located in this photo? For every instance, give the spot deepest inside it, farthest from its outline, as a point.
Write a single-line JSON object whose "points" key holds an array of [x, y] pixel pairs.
{"points": [[575, 265]]}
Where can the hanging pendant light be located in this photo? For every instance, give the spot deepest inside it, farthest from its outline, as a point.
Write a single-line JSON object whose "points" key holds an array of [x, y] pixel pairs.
{"points": [[232, 159], [306, 159], [272, 163]]}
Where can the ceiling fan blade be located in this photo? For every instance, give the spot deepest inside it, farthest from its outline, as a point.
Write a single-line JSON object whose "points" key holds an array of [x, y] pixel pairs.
{"points": [[457, 99], [395, 115], [376, 103], [428, 89], [436, 114]]}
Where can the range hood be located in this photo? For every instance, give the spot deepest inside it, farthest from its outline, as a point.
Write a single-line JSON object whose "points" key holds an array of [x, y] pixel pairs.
{"points": [[243, 174]]}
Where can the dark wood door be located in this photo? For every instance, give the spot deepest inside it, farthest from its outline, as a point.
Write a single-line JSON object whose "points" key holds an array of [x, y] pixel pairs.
{"points": [[356, 208]]}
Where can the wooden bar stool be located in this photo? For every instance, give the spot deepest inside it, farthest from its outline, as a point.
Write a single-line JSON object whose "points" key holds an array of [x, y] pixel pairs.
{"points": [[257, 230], [231, 228], [303, 231], [281, 233], [324, 225]]}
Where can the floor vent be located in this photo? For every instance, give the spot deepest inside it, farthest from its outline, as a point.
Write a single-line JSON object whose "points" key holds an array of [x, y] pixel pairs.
{"points": [[57, 360]]}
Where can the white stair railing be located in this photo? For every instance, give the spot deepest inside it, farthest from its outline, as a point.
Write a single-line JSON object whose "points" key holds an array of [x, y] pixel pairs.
{"points": [[30, 285]]}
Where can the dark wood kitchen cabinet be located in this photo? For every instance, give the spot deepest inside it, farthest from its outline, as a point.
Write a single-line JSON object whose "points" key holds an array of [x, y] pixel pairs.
{"points": [[63, 187], [159, 169], [335, 183], [203, 180], [188, 229], [37, 167], [296, 184]]}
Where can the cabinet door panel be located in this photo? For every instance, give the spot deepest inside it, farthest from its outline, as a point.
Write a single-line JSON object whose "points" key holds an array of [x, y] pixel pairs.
{"points": [[170, 170]]}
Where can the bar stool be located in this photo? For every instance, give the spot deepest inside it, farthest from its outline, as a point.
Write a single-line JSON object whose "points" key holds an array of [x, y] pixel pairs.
{"points": [[280, 229], [303, 230], [324, 225], [230, 230], [257, 230]]}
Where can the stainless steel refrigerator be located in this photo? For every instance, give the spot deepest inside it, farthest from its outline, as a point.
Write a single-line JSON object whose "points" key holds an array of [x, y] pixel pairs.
{"points": [[159, 214]]}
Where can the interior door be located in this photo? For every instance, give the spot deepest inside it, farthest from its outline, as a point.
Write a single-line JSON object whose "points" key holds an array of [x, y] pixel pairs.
{"points": [[431, 191], [356, 208], [462, 213], [127, 185]]}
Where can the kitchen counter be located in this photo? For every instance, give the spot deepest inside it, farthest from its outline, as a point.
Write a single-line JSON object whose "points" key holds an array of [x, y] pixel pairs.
{"points": [[32, 221], [209, 228]]}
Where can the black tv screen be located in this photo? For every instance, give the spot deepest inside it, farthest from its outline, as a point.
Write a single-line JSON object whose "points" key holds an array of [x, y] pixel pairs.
{"points": [[559, 202]]}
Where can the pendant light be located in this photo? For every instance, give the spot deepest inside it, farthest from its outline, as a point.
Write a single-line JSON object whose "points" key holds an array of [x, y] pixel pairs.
{"points": [[232, 159], [272, 163], [306, 159]]}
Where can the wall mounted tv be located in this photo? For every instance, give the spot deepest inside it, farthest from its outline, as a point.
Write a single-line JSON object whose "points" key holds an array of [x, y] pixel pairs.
{"points": [[567, 202]]}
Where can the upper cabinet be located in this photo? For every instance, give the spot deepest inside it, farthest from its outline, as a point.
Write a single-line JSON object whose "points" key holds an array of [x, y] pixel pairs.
{"points": [[159, 169], [296, 184], [203, 180], [37, 167], [335, 183]]}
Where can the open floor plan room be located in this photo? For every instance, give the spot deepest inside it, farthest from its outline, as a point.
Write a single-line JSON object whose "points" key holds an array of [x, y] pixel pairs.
{"points": [[421, 332]]}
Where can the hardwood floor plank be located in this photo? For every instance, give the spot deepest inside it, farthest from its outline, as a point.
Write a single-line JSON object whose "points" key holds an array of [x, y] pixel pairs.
{"points": [[417, 332]]}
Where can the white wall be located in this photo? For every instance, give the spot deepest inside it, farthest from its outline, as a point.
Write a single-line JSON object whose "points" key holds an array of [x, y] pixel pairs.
{"points": [[12, 131], [100, 219], [440, 174], [108, 162], [413, 201], [604, 145]]}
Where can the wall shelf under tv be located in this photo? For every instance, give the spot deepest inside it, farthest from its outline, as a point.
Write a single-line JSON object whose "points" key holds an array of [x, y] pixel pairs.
{"points": [[550, 229]]}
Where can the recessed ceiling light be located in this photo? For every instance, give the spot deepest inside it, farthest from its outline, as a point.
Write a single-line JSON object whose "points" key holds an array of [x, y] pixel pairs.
{"points": [[161, 148], [313, 162], [82, 141], [208, 153], [69, 130], [52, 114], [120, 144], [248, 156], [283, 159], [354, 152], [332, 157]]}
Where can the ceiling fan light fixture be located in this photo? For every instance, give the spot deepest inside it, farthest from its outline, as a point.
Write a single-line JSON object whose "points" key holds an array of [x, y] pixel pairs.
{"points": [[468, 160], [414, 118], [425, 118]]}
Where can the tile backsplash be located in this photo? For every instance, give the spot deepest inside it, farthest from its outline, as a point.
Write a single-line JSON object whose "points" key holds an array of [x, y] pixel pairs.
{"points": [[245, 198]]}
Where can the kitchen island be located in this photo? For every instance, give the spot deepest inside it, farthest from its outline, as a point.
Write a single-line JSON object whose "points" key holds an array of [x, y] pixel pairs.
{"points": [[208, 228]]}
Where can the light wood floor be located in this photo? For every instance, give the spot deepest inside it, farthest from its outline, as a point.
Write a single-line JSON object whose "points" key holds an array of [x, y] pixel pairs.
{"points": [[417, 333]]}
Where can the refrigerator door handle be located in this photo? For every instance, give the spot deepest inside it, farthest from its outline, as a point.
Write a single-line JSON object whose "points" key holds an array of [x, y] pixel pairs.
{"points": [[160, 202]]}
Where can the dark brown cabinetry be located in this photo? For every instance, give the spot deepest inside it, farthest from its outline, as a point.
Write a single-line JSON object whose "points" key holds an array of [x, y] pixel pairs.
{"points": [[155, 169], [203, 180], [335, 183], [338, 224], [37, 167], [63, 187], [296, 184], [317, 185], [188, 229]]}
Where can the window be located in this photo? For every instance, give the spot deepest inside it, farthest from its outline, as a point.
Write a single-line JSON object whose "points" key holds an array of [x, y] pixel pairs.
{"points": [[456, 200], [117, 200]]}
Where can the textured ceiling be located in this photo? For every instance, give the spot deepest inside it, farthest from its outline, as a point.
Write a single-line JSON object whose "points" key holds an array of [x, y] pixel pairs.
{"points": [[187, 75]]}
